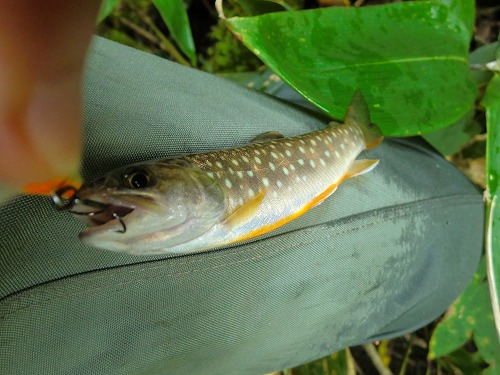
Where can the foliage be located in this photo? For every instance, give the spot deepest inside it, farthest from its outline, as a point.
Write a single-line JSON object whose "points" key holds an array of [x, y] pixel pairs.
{"points": [[226, 54], [404, 57], [470, 317]]}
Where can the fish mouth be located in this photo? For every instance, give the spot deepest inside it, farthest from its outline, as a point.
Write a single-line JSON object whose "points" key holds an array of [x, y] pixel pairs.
{"points": [[103, 215]]}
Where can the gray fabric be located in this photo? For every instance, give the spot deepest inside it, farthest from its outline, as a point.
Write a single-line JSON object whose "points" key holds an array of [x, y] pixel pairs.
{"points": [[387, 253]]}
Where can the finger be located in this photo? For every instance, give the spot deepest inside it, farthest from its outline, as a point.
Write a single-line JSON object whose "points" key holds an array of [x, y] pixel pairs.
{"points": [[43, 50]]}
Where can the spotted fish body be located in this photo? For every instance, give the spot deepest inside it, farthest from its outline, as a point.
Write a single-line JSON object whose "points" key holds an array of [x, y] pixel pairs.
{"points": [[243, 192]]}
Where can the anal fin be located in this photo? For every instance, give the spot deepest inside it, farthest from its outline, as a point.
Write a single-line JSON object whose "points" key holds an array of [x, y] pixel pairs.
{"points": [[246, 212], [267, 136], [359, 167]]}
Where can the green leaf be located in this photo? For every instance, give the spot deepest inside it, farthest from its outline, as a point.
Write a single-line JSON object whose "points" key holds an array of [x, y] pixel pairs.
{"points": [[174, 14], [256, 7], [464, 10], [469, 317], [478, 60], [107, 7], [450, 140], [409, 60], [491, 102]]}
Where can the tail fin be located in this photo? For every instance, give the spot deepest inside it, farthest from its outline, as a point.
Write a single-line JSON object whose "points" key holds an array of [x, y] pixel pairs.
{"points": [[358, 114]]}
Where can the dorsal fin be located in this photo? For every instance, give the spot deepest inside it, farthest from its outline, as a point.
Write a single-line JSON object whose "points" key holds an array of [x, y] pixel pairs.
{"points": [[358, 114], [267, 136], [246, 212]]}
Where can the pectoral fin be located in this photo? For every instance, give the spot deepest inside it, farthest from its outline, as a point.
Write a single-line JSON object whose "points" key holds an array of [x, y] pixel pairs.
{"points": [[267, 136], [358, 167], [246, 212]]}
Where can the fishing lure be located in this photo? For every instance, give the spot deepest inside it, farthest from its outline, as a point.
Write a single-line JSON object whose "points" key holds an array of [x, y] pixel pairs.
{"points": [[207, 200]]}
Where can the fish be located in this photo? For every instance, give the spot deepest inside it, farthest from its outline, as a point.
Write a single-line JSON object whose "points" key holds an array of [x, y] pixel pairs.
{"points": [[209, 200]]}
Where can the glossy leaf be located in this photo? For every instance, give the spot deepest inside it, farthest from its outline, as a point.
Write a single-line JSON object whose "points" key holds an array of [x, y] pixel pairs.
{"points": [[107, 7], [469, 317], [491, 101], [174, 14], [409, 60], [451, 139], [464, 10]]}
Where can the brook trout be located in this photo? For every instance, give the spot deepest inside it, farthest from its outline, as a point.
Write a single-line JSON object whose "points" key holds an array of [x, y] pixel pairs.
{"points": [[207, 200]]}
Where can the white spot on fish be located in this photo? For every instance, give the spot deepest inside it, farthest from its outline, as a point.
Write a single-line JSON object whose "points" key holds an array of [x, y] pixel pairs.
{"points": [[207, 162], [327, 153], [250, 173], [337, 154], [334, 135], [329, 139], [257, 152], [322, 162], [302, 149], [257, 160], [288, 144], [231, 201], [285, 171], [240, 174], [250, 193], [210, 174], [279, 183], [342, 146], [297, 178], [288, 153], [300, 161], [235, 162], [272, 166], [292, 167], [245, 159], [272, 146], [228, 183], [219, 164], [265, 181], [311, 150], [313, 142], [313, 164], [240, 201], [302, 141], [230, 170], [274, 155]]}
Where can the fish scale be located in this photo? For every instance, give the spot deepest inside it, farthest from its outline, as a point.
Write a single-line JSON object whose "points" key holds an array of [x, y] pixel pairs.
{"points": [[314, 161]]}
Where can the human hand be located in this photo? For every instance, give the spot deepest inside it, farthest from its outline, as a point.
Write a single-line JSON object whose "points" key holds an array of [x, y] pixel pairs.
{"points": [[43, 46]]}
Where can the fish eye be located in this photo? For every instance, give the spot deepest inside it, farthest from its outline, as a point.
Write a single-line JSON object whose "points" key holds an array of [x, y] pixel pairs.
{"points": [[137, 179]]}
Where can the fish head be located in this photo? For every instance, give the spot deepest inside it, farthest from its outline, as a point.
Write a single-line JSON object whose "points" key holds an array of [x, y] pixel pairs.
{"points": [[149, 207]]}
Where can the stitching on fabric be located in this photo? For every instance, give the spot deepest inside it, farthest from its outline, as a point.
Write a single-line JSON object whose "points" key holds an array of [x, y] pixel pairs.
{"points": [[404, 212]]}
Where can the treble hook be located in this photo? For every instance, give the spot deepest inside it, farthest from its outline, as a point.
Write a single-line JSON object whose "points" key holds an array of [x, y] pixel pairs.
{"points": [[124, 227], [62, 203]]}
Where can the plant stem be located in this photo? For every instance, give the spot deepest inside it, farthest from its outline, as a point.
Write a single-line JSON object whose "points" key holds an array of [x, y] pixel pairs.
{"points": [[402, 371], [161, 40], [165, 44], [377, 361], [139, 30]]}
